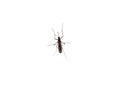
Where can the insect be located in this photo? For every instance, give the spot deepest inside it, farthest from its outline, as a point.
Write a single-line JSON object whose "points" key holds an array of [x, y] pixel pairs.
{"points": [[59, 43]]}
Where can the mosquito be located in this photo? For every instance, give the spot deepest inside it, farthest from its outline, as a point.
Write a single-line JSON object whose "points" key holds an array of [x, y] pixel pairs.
{"points": [[59, 43]]}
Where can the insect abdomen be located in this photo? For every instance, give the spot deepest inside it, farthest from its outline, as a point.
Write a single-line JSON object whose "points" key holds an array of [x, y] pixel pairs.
{"points": [[59, 45]]}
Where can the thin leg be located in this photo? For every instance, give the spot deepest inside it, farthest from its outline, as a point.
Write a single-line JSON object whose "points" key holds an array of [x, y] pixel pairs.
{"points": [[65, 43], [55, 50], [62, 31], [58, 34], [54, 34], [53, 44], [64, 53]]}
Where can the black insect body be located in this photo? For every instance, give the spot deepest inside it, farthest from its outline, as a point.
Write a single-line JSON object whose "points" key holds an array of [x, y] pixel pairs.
{"points": [[59, 45]]}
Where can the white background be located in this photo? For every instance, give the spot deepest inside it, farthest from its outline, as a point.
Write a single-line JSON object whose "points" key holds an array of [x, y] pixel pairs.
{"points": [[93, 56]]}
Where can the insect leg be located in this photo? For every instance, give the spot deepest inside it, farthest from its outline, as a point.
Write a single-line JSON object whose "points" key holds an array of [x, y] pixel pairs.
{"points": [[64, 53], [52, 44], [54, 34], [58, 34], [62, 31], [55, 50], [65, 43]]}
